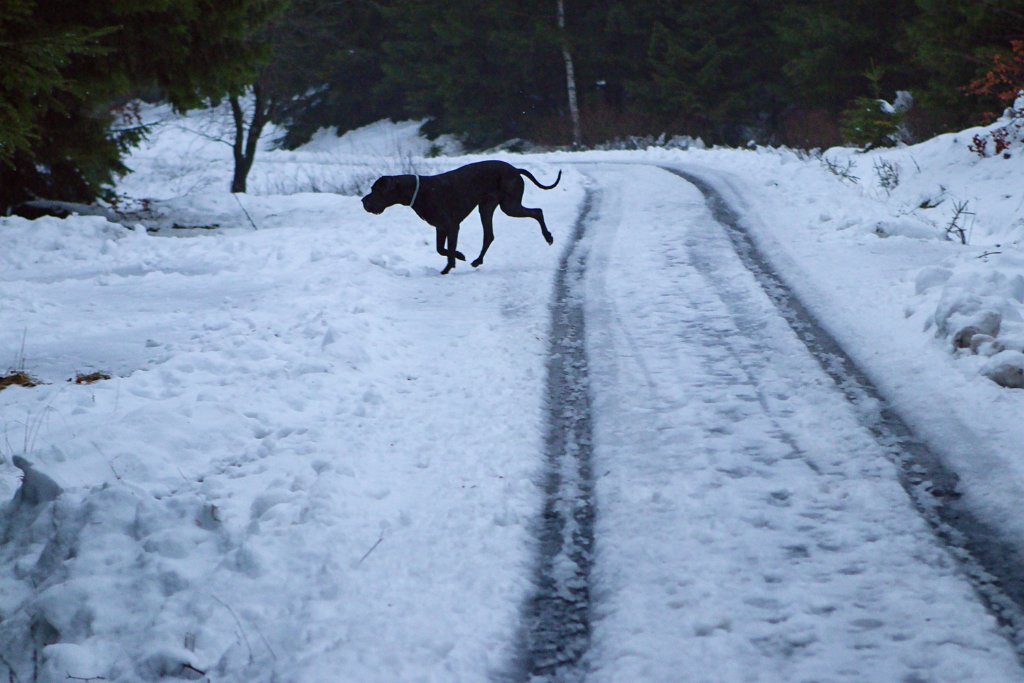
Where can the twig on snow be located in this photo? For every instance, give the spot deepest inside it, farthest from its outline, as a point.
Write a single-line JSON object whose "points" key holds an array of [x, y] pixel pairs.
{"points": [[266, 642], [372, 548], [188, 667], [235, 195], [238, 621], [957, 223]]}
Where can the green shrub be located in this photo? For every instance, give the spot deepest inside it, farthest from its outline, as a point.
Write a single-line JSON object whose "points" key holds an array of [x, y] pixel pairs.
{"points": [[869, 123]]}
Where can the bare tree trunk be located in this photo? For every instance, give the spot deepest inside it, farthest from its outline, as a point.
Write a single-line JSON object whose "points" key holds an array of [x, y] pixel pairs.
{"points": [[570, 79], [244, 146]]}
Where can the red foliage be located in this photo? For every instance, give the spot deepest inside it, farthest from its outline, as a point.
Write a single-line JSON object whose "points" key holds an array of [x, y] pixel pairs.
{"points": [[1005, 81], [1001, 136], [1006, 77], [979, 146]]}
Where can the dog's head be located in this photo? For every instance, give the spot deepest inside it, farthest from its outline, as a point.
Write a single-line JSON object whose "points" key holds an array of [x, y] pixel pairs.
{"points": [[386, 191]]}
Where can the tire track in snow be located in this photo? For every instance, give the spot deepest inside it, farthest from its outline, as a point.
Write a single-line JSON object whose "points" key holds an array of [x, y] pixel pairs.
{"points": [[556, 631], [989, 561]]}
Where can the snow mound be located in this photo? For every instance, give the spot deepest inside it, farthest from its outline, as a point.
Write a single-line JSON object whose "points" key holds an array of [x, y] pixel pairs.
{"points": [[978, 308], [1006, 369], [914, 228]]}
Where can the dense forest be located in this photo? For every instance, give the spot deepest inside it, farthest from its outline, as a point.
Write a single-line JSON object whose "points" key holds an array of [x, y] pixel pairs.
{"points": [[803, 73]]}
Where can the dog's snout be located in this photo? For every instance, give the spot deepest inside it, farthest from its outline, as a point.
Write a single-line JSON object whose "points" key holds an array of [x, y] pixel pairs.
{"points": [[372, 204]]}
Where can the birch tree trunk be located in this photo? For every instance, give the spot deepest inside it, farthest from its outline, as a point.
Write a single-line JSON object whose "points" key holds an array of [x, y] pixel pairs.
{"points": [[570, 79]]}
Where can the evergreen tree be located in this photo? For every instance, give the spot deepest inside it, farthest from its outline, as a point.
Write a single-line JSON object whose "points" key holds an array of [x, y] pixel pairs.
{"points": [[870, 122], [610, 41], [489, 71], [827, 49], [66, 67], [829, 46], [712, 68], [327, 68], [955, 41], [32, 75]]}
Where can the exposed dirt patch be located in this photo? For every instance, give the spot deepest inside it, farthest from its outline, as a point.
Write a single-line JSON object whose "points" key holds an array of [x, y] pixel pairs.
{"points": [[90, 378], [19, 378]]}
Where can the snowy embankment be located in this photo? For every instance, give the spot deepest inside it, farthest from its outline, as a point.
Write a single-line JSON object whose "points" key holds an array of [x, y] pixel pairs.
{"points": [[318, 460]]}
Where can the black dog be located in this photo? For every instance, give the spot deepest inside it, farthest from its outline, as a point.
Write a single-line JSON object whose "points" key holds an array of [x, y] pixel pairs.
{"points": [[445, 200]]}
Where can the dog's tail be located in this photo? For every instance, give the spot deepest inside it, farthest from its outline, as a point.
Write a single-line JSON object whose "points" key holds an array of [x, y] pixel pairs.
{"points": [[543, 187]]}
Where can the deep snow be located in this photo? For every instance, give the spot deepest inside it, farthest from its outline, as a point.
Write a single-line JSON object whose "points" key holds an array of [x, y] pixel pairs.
{"points": [[319, 460]]}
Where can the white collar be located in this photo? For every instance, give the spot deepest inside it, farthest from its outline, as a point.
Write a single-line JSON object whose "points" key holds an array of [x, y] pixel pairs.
{"points": [[416, 192]]}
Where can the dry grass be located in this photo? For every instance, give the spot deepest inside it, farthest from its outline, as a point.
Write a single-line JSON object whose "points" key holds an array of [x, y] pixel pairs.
{"points": [[23, 379], [18, 378], [90, 378]]}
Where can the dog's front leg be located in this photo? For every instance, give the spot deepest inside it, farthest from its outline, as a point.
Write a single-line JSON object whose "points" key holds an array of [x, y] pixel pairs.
{"points": [[440, 245], [452, 237]]}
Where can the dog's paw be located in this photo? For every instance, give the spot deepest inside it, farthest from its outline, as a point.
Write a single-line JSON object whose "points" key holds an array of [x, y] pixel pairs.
{"points": [[459, 256], [447, 269], [549, 238], [477, 263]]}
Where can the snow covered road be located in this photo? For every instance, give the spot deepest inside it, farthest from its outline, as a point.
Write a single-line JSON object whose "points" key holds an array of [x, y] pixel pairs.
{"points": [[319, 461], [748, 526]]}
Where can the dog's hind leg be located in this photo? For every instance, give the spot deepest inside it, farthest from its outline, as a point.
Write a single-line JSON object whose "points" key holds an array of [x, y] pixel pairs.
{"points": [[515, 209], [487, 219], [440, 245]]}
